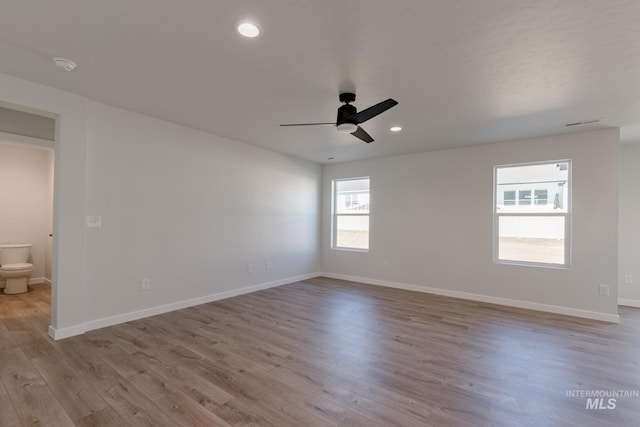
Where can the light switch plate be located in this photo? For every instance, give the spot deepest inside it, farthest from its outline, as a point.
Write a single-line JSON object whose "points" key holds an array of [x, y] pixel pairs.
{"points": [[94, 221]]}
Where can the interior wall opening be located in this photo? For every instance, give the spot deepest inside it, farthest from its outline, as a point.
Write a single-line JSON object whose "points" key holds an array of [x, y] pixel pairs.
{"points": [[26, 218]]}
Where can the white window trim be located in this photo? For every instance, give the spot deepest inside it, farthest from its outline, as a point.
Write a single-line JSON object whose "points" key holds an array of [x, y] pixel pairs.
{"points": [[567, 215], [334, 215]]}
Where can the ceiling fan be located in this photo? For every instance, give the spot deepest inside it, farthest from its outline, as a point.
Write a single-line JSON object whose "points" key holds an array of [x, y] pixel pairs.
{"points": [[349, 118]]}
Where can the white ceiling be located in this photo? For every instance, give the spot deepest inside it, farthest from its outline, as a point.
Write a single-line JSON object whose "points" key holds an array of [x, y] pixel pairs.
{"points": [[464, 72]]}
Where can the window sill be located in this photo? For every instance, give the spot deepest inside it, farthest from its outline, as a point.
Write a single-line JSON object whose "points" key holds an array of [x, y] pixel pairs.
{"points": [[350, 250], [533, 264]]}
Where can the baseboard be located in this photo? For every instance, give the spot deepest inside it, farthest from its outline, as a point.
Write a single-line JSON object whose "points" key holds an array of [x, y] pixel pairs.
{"points": [[32, 281], [629, 302], [61, 333], [594, 315], [47, 281], [91, 325]]}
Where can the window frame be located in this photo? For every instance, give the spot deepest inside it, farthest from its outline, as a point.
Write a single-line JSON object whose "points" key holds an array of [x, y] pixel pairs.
{"points": [[567, 217], [335, 215]]}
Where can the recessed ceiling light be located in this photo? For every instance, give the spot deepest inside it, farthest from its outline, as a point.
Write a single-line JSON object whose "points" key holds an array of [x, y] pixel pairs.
{"points": [[248, 29], [395, 129], [64, 63]]}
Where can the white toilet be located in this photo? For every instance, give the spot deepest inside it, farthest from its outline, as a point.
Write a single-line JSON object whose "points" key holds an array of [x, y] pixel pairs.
{"points": [[14, 267]]}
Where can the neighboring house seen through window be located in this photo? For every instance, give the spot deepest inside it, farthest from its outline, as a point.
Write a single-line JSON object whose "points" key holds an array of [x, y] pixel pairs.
{"points": [[541, 197], [532, 217], [509, 198], [350, 216]]}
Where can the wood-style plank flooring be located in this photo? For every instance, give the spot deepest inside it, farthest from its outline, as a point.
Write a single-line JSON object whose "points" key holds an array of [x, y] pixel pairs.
{"points": [[321, 352]]}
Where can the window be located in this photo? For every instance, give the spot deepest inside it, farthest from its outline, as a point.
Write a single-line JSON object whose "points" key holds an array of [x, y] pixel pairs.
{"points": [[534, 230], [350, 222]]}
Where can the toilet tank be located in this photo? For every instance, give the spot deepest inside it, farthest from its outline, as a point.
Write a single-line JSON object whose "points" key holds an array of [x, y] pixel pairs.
{"points": [[14, 254]]}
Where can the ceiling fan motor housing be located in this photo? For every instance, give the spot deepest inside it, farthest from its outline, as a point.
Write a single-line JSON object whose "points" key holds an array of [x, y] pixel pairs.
{"points": [[347, 114]]}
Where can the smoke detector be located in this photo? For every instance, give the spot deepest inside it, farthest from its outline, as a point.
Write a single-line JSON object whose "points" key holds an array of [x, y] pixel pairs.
{"points": [[65, 64]]}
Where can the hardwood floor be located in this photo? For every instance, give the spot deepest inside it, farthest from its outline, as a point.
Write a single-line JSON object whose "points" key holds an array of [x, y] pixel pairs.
{"points": [[319, 353]]}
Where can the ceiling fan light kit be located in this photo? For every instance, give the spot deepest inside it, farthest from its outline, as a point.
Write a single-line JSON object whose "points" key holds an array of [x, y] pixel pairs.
{"points": [[349, 118], [347, 127]]}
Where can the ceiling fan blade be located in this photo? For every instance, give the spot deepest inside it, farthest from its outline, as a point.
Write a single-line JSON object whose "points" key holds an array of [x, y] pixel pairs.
{"points": [[374, 110], [362, 134], [308, 124]]}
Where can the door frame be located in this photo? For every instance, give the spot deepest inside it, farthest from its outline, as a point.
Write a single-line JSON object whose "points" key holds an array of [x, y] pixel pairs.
{"points": [[69, 294]]}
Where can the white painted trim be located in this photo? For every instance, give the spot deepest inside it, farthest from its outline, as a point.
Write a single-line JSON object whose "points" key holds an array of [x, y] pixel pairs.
{"points": [[28, 141], [32, 281], [47, 281], [91, 325], [58, 334], [605, 317], [629, 302]]}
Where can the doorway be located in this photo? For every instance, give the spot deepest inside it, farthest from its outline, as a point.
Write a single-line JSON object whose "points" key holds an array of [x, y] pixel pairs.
{"points": [[69, 302], [26, 218]]}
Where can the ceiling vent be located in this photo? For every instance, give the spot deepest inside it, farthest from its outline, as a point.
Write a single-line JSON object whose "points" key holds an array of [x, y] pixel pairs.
{"points": [[586, 122]]}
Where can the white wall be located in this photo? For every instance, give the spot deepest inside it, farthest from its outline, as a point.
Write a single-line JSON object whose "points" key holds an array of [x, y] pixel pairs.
{"points": [[189, 211], [26, 208], [629, 293], [431, 222]]}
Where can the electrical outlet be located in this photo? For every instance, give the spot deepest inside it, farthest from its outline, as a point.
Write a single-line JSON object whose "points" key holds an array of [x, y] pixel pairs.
{"points": [[249, 268], [604, 289], [145, 284], [628, 279], [267, 265]]}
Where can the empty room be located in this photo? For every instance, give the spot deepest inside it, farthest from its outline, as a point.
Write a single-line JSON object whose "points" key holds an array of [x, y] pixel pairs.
{"points": [[320, 213]]}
